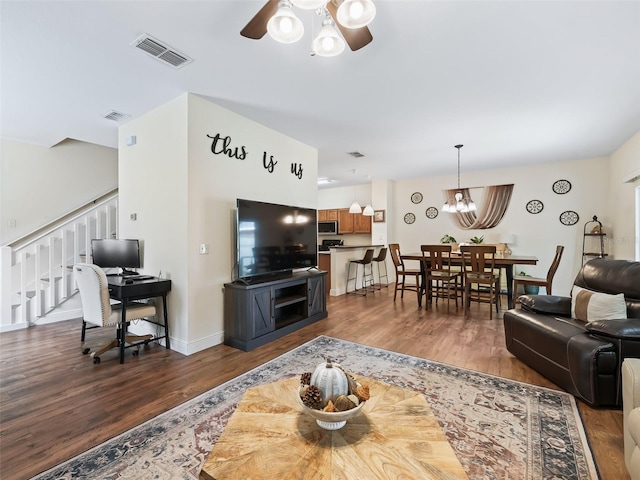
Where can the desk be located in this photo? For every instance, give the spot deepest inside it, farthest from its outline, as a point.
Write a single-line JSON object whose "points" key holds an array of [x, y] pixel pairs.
{"points": [[395, 435], [139, 290], [506, 263]]}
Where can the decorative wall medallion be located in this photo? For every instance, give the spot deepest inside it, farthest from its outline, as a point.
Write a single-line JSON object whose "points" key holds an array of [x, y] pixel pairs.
{"points": [[416, 197], [409, 218], [432, 212], [569, 217], [561, 186], [535, 206]]}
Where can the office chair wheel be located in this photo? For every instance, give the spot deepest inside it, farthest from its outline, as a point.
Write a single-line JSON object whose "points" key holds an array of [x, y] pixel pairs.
{"points": [[86, 351], [96, 360]]}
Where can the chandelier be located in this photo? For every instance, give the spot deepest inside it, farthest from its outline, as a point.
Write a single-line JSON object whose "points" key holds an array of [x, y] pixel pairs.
{"points": [[462, 203], [285, 27]]}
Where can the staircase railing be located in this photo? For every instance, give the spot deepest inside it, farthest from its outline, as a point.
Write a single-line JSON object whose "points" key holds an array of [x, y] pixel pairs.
{"points": [[36, 274]]}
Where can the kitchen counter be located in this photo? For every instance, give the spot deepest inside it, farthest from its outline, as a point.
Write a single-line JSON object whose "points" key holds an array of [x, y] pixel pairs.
{"points": [[340, 258]]}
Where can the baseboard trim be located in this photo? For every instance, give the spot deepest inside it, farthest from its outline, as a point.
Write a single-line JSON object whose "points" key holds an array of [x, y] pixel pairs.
{"points": [[14, 326]]}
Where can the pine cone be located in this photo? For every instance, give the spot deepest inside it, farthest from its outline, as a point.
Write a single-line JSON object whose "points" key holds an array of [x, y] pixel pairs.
{"points": [[305, 378], [362, 392], [312, 397]]}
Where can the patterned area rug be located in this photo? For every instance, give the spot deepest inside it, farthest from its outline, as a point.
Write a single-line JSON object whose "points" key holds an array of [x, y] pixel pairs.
{"points": [[498, 428]]}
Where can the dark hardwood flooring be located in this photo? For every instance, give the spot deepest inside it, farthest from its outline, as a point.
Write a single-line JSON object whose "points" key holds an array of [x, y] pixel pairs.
{"points": [[55, 403]]}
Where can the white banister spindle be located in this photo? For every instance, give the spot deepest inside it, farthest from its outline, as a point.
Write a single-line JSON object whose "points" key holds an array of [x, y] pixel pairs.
{"points": [[87, 238], [37, 280], [51, 267], [63, 263], [6, 268], [99, 233], [108, 221], [23, 287]]}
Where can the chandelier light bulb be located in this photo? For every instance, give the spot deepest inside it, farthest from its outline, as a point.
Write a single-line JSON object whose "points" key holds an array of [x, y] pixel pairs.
{"points": [[356, 13], [328, 43], [284, 26]]}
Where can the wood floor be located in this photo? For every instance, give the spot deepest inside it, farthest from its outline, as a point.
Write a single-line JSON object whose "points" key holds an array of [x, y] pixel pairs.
{"points": [[54, 403]]}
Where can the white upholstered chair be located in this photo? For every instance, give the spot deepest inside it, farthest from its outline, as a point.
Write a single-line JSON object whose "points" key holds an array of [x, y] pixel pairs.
{"points": [[99, 312], [631, 415]]}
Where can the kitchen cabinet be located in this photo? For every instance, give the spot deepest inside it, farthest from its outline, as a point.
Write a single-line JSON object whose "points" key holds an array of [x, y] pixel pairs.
{"points": [[353, 222], [328, 215]]}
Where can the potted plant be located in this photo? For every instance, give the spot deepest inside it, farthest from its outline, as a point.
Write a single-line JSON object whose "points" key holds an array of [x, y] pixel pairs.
{"points": [[476, 240], [451, 240]]}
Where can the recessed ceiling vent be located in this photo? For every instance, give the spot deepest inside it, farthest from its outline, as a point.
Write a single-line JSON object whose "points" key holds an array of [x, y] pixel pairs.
{"points": [[116, 116], [161, 51], [356, 154]]}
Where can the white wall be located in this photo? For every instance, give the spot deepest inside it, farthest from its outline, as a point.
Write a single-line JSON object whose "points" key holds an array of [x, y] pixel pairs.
{"points": [[187, 198], [40, 184], [625, 163]]}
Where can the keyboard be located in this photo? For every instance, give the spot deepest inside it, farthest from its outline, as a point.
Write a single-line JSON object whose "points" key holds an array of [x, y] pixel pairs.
{"points": [[138, 277]]}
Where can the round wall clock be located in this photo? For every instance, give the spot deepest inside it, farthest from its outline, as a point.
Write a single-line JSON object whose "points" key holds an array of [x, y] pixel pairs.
{"points": [[535, 206], [416, 197], [569, 217], [432, 212], [561, 186], [409, 218]]}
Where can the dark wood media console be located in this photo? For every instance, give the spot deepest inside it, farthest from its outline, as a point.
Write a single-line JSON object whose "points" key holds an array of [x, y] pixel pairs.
{"points": [[258, 313]]}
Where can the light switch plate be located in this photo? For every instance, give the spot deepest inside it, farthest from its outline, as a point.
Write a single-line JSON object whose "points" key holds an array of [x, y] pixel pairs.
{"points": [[204, 249]]}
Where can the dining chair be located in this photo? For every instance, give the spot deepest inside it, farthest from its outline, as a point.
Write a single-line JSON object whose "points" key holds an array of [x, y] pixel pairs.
{"points": [[547, 282], [436, 260], [402, 273], [367, 278], [480, 278], [98, 311]]}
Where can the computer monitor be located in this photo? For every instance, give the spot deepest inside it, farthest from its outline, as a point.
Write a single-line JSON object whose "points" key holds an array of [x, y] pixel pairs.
{"points": [[116, 253]]}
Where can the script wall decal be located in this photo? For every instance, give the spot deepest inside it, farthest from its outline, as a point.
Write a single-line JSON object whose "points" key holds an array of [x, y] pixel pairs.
{"points": [[222, 145]]}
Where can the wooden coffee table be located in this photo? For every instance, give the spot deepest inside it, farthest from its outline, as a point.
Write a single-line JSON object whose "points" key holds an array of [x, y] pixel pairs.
{"points": [[269, 437]]}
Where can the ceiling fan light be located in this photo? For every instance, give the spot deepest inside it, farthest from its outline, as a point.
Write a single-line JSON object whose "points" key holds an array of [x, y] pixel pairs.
{"points": [[309, 4], [368, 211], [284, 26], [356, 13], [328, 43], [355, 207]]}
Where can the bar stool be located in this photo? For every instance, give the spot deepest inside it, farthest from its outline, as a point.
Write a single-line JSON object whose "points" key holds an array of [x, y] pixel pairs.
{"points": [[381, 258], [366, 260]]}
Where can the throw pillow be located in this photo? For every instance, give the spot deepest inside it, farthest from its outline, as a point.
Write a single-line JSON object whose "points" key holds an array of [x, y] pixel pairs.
{"points": [[588, 306]]}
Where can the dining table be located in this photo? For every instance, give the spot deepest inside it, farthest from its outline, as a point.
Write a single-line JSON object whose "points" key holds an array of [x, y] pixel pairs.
{"points": [[503, 262]]}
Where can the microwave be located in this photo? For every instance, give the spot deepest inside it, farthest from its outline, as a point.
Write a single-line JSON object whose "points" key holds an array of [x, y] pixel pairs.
{"points": [[328, 228]]}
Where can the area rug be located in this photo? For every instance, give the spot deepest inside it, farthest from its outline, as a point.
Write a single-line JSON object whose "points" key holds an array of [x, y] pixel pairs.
{"points": [[499, 429]]}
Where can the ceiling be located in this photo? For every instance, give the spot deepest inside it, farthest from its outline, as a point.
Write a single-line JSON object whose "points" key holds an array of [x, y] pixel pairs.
{"points": [[516, 82]]}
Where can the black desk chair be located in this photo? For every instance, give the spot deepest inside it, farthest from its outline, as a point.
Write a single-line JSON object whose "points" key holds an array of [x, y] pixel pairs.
{"points": [[98, 311], [367, 279]]}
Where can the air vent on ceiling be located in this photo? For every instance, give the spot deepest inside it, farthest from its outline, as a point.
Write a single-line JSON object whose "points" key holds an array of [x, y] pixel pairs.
{"points": [[356, 154], [161, 51], [116, 116]]}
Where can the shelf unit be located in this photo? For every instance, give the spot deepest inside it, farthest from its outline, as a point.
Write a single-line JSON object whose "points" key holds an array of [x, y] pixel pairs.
{"points": [[260, 312], [593, 230]]}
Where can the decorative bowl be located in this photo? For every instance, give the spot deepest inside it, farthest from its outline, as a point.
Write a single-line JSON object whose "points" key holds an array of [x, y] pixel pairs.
{"points": [[330, 420]]}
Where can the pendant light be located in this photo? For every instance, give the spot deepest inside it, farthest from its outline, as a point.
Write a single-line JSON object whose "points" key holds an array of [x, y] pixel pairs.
{"points": [[368, 211], [461, 204], [355, 206], [284, 26]]}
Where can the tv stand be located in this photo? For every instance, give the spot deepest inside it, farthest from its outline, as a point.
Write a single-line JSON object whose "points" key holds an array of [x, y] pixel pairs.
{"points": [[258, 313]]}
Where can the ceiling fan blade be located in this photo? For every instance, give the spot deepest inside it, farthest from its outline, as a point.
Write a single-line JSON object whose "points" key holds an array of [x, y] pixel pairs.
{"points": [[356, 38], [257, 26]]}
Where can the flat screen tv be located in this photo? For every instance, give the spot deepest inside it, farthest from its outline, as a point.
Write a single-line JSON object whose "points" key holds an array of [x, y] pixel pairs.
{"points": [[274, 239], [116, 253]]}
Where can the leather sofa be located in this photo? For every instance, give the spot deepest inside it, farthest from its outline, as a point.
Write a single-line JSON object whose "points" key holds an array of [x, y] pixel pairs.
{"points": [[583, 358], [631, 418]]}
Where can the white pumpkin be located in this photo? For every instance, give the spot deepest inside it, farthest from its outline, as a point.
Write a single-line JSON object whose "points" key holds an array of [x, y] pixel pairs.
{"points": [[331, 380]]}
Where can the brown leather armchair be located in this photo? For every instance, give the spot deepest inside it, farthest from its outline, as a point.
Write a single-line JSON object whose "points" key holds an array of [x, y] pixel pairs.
{"points": [[584, 358]]}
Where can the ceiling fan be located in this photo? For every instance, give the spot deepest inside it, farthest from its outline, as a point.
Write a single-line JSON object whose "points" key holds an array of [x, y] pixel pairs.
{"points": [[350, 17]]}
